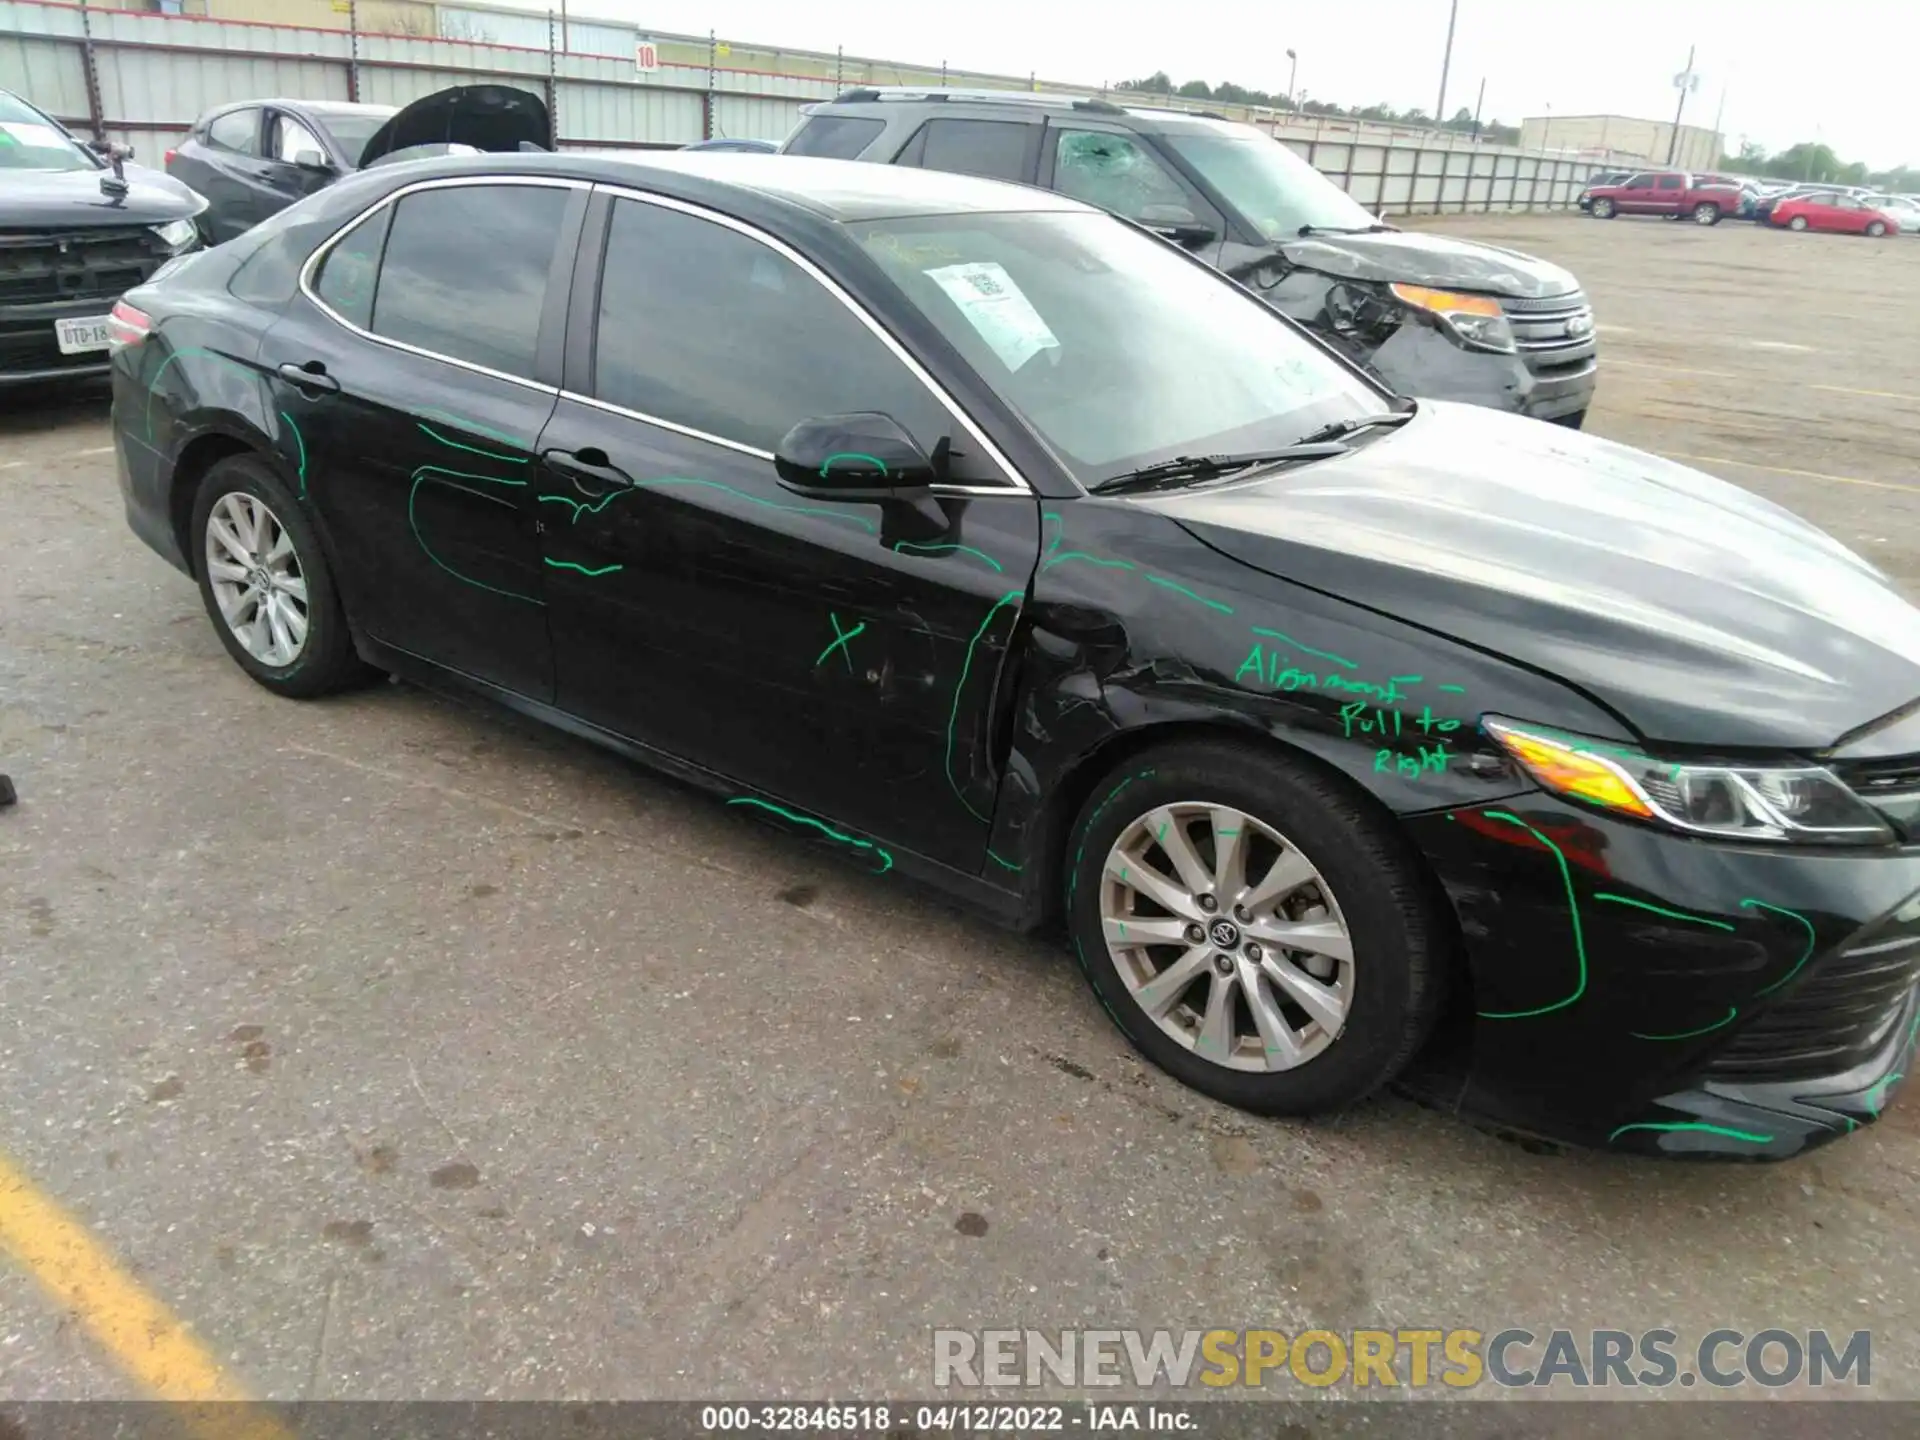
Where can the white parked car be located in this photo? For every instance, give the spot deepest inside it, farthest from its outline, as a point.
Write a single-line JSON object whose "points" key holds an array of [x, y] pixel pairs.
{"points": [[1904, 210]]}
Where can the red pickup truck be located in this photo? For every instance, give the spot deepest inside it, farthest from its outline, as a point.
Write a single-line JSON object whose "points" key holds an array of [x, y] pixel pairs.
{"points": [[1666, 192]]}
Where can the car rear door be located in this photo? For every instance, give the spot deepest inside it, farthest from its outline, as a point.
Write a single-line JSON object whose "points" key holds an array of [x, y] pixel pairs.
{"points": [[1669, 194], [838, 656], [417, 367], [999, 149]]}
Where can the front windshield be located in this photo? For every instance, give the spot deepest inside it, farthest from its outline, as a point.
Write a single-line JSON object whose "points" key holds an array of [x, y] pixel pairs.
{"points": [[1273, 188], [351, 130], [29, 142], [1118, 350]]}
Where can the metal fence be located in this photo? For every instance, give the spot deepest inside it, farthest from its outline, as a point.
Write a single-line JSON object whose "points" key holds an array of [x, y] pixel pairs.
{"points": [[141, 79]]}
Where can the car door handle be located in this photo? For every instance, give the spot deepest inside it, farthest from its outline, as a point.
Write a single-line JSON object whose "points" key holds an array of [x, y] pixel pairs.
{"points": [[587, 463], [310, 376]]}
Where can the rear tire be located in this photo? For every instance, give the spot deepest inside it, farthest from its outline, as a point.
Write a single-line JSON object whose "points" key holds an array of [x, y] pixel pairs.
{"points": [[265, 583], [1798, 222], [1604, 209], [1706, 213], [1267, 850]]}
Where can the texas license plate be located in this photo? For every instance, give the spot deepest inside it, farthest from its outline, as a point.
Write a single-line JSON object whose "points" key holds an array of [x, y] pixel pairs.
{"points": [[82, 333]]}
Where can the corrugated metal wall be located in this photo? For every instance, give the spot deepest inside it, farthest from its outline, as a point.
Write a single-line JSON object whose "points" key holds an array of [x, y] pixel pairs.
{"points": [[154, 74]]}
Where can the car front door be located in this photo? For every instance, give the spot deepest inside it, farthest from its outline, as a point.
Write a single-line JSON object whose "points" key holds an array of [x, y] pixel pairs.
{"points": [[1848, 214], [416, 369], [1117, 170], [285, 178], [840, 656], [227, 168], [1636, 194]]}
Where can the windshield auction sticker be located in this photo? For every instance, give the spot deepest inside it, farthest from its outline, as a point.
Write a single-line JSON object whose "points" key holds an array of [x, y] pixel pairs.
{"points": [[998, 309]]}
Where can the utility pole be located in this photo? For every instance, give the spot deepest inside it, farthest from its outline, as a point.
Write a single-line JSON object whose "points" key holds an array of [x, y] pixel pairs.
{"points": [[1478, 105], [1446, 60], [1683, 82], [1293, 74], [1719, 115]]}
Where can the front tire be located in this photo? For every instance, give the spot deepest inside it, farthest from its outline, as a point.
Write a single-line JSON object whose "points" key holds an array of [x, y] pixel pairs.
{"points": [[1798, 222], [265, 583], [1604, 210], [1706, 213], [1316, 972], [1876, 229]]}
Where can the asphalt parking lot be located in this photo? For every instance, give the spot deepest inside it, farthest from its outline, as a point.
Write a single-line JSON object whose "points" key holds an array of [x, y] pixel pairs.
{"points": [[402, 1049]]}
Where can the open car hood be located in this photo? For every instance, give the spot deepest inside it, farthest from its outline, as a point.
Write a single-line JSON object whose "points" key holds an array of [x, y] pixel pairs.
{"points": [[1698, 612], [487, 117], [1426, 257]]}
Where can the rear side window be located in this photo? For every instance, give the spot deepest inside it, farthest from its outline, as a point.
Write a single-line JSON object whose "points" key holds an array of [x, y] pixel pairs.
{"points": [[237, 130], [347, 275], [1672, 182], [997, 149], [836, 137], [786, 351], [465, 272]]}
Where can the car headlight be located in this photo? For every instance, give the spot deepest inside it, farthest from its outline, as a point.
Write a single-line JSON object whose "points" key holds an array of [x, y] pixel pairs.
{"points": [[1800, 803], [1476, 319], [177, 235]]}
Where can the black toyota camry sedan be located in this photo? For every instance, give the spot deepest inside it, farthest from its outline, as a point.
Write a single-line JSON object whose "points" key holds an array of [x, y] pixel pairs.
{"points": [[989, 540]]}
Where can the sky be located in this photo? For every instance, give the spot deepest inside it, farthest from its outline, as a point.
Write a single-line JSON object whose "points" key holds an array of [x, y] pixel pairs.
{"points": [[1836, 71]]}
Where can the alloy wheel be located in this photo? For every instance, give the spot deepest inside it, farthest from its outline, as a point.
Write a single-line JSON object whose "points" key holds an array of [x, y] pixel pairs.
{"points": [[1227, 937], [256, 578]]}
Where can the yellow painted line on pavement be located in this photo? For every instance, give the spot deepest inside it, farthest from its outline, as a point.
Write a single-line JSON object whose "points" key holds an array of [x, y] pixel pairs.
{"points": [[148, 1341], [1784, 470]]}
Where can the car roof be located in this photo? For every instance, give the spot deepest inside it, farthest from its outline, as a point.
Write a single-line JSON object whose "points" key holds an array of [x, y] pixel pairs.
{"points": [[833, 189], [871, 99], [316, 107]]}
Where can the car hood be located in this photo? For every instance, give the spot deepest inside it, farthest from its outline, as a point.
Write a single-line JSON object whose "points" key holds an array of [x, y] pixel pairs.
{"points": [[1699, 613], [487, 117], [1425, 258], [74, 197]]}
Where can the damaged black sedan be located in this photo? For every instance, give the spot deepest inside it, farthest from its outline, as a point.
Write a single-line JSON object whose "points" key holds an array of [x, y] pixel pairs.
{"points": [[971, 533]]}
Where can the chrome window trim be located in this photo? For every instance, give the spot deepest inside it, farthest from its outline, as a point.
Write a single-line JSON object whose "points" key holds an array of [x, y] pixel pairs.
{"points": [[1016, 482], [319, 256], [672, 425]]}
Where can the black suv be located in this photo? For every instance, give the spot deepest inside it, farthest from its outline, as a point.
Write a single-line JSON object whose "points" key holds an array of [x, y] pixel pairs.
{"points": [[79, 227], [1430, 314]]}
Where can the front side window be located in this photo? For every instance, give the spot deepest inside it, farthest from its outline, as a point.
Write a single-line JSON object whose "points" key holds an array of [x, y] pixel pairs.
{"points": [[1116, 349], [291, 139], [1637, 182], [997, 149], [237, 130], [707, 328], [465, 272], [835, 137], [1275, 191], [1118, 173], [346, 279]]}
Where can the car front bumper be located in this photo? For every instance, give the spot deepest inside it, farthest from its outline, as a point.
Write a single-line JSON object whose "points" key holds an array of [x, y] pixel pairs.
{"points": [[30, 353], [1638, 990]]}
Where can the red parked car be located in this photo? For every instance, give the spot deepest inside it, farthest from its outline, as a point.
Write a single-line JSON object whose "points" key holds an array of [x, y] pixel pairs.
{"points": [[1831, 210]]}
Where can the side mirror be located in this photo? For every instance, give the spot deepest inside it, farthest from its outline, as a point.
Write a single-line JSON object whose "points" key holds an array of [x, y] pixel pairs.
{"points": [[310, 160], [864, 456]]}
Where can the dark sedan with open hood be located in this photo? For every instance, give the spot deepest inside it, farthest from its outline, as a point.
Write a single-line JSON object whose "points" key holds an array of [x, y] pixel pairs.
{"points": [[977, 536], [253, 158], [79, 226]]}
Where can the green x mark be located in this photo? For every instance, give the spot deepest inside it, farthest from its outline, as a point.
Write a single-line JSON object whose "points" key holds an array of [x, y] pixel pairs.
{"points": [[840, 639]]}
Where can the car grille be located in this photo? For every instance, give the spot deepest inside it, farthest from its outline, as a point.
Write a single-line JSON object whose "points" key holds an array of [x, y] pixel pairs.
{"points": [[48, 266], [1838, 1015], [1540, 332], [1891, 784]]}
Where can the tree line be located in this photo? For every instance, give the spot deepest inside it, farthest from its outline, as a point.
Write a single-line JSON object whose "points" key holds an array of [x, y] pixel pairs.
{"points": [[1817, 163], [1228, 93]]}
